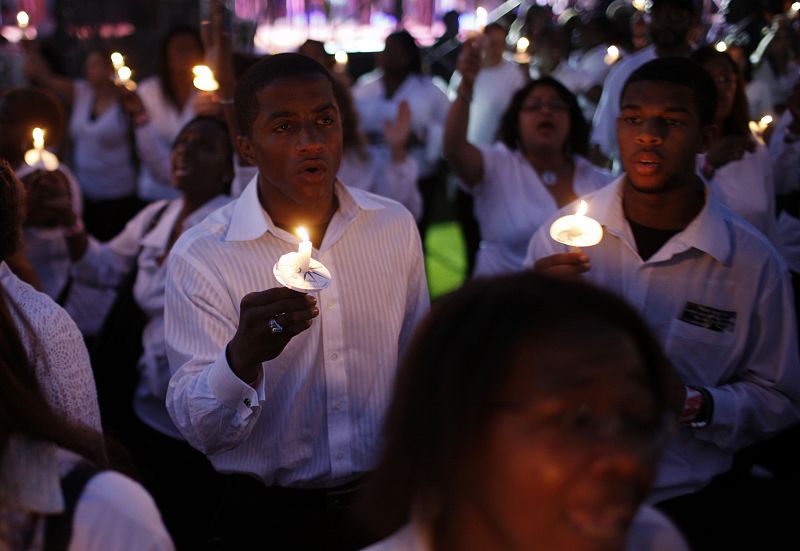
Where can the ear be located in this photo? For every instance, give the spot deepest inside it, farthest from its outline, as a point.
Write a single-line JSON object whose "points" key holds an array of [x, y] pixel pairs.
{"points": [[246, 149], [707, 135]]}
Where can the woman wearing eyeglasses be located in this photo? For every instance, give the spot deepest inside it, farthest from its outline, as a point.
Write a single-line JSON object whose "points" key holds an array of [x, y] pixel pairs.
{"points": [[535, 167]]}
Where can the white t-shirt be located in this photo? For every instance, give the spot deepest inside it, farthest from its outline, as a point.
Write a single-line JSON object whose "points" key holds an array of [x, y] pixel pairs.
{"points": [[103, 148], [494, 88], [511, 202], [428, 106]]}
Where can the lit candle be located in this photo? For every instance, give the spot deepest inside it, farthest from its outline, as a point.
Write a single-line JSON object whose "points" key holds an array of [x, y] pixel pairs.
{"points": [[796, 6], [123, 77], [481, 17], [758, 128], [204, 78], [577, 230], [640, 5], [764, 123], [303, 251], [721, 46], [117, 60], [341, 58], [612, 55], [521, 54], [522, 45], [23, 20], [39, 156]]}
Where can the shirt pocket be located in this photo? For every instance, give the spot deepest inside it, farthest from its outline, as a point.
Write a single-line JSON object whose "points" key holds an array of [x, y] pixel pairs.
{"points": [[700, 356]]}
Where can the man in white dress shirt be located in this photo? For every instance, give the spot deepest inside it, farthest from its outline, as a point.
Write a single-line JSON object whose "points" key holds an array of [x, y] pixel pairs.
{"points": [[291, 410], [711, 287]]}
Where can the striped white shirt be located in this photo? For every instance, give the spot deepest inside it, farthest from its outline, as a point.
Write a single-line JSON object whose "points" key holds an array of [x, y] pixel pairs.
{"points": [[314, 416]]}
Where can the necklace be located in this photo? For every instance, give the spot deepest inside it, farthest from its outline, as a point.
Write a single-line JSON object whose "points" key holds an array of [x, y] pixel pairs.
{"points": [[549, 177]]}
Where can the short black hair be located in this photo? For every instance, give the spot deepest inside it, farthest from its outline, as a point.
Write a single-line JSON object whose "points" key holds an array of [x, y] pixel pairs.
{"points": [[409, 44], [685, 72], [265, 72], [578, 138]]}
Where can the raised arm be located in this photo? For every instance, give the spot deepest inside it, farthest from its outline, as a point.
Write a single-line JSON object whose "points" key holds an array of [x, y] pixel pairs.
{"points": [[37, 70], [464, 158]]}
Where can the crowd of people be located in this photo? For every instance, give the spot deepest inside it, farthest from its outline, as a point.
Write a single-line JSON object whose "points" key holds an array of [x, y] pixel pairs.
{"points": [[162, 386]]}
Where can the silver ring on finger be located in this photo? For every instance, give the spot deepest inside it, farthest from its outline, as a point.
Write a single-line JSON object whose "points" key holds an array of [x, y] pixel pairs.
{"points": [[274, 326]]}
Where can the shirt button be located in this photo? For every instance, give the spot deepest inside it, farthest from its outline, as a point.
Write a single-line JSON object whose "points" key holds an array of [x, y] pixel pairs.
{"points": [[339, 455], [334, 356], [247, 402]]}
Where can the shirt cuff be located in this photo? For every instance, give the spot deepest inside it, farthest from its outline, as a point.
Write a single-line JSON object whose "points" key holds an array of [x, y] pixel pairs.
{"points": [[720, 428], [231, 390]]}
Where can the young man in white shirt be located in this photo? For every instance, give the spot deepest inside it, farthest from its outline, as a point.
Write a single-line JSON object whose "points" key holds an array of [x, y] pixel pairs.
{"points": [[293, 409], [712, 288]]}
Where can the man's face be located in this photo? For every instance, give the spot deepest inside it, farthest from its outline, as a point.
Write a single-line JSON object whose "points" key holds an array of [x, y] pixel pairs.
{"points": [[670, 25], [296, 140], [659, 135]]}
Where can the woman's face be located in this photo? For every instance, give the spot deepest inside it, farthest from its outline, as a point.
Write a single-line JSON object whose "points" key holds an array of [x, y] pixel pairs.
{"points": [[571, 450], [543, 120], [97, 69], [726, 81], [201, 159]]}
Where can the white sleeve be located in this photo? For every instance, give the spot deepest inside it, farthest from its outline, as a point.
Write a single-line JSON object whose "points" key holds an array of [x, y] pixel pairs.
{"points": [[213, 408], [604, 125], [64, 371], [397, 181], [107, 264], [785, 159], [114, 513], [763, 399], [651, 530]]}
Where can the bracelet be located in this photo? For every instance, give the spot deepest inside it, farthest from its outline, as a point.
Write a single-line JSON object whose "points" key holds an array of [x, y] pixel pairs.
{"points": [[75, 229]]}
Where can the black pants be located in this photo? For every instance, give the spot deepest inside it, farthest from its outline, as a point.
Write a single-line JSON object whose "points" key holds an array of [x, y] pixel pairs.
{"points": [[182, 481], [253, 515]]}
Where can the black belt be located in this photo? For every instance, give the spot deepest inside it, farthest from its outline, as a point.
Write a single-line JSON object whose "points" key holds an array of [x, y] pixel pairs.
{"points": [[321, 499]]}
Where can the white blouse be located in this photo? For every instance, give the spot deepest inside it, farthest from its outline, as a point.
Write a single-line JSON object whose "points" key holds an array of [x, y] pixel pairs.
{"points": [[511, 202], [107, 264], [56, 350], [103, 147]]}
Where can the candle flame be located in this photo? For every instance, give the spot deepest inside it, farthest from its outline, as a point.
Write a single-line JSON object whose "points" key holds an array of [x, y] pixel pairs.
{"points": [[721, 46], [481, 17], [765, 121], [204, 78], [303, 234], [38, 138], [582, 208], [124, 73], [523, 44], [640, 5], [117, 60], [796, 6], [23, 19], [341, 57]]}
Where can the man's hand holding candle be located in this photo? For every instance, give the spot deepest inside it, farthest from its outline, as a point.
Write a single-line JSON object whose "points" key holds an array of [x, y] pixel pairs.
{"points": [[255, 341]]}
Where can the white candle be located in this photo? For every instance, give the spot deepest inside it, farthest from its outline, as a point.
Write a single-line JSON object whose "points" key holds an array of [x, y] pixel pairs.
{"points": [[612, 55], [117, 60], [577, 230], [204, 78], [23, 20], [39, 156], [481, 17], [303, 251]]}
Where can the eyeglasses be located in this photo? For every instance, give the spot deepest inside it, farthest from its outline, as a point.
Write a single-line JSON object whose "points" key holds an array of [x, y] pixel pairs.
{"points": [[537, 107]]}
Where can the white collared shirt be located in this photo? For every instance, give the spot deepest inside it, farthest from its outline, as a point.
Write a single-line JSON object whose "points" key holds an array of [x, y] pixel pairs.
{"points": [[721, 273], [56, 350], [314, 416], [428, 105], [604, 125], [154, 140], [511, 202], [107, 265]]}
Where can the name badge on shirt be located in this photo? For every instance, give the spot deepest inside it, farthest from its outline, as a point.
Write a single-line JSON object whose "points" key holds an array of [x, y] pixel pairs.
{"points": [[708, 317]]}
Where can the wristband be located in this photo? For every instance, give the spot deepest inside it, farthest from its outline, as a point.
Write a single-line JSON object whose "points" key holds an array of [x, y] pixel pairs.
{"points": [[76, 228]]}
